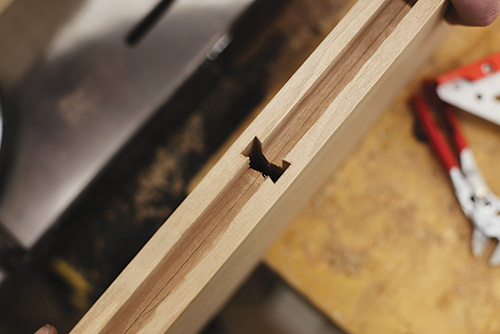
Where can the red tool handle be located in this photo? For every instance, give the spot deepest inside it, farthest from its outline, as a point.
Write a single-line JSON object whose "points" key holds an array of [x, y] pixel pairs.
{"points": [[447, 113], [474, 71], [436, 138], [455, 128]]}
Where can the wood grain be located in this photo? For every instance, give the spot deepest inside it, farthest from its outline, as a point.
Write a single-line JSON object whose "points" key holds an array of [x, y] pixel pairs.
{"points": [[218, 234], [383, 247]]}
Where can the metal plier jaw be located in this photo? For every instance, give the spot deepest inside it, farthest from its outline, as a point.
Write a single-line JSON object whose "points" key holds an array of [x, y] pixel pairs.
{"points": [[486, 211], [467, 200], [477, 201], [463, 191]]}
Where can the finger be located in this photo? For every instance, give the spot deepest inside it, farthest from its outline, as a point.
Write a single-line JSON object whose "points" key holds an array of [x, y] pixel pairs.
{"points": [[476, 12], [47, 329]]}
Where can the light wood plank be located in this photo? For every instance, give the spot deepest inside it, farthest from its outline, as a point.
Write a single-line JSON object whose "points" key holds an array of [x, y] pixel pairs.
{"points": [[218, 234]]}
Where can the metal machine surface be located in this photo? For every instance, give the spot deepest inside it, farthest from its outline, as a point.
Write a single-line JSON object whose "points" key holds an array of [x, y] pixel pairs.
{"points": [[79, 78]]}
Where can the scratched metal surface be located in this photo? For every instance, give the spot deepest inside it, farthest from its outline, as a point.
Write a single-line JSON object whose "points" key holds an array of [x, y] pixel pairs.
{"points": [[77, 91]]}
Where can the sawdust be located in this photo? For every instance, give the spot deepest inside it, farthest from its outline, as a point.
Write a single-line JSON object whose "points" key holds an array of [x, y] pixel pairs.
{"points": [[164, 177], [76, 104], [343, 259]]}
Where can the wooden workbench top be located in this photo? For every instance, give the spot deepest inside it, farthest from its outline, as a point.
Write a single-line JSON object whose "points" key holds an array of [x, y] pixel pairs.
{"points": [[384, 246]]}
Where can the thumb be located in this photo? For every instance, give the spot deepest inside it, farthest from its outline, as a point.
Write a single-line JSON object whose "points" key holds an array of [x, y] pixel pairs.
{"points": [[476, 12], [47, 329]]}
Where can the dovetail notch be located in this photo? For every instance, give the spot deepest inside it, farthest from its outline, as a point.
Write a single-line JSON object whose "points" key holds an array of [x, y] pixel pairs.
{"points": [[259, 162]]}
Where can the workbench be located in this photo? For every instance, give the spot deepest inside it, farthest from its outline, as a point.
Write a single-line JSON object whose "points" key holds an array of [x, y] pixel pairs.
{"points": [[384, 247]]}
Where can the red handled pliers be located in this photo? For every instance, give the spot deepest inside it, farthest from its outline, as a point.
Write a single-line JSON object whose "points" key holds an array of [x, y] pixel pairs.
{"points": [[478, 203]]}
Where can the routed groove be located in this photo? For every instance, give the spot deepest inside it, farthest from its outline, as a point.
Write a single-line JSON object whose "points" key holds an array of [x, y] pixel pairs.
{"points": [[147, 23], [213, 223], [200, 238], [187, 252], [300, 119]]}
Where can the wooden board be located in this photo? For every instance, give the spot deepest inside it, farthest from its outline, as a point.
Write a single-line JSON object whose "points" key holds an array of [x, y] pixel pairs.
{"points": [[383, 247], [217, 235]]}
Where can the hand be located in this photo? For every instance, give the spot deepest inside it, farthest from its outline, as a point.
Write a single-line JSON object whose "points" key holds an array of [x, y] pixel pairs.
{"points": [[47, 329], [474, 12]]}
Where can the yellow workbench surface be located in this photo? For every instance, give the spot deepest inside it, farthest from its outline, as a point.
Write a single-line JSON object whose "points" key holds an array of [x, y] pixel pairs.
{"points": [[383, 247]]}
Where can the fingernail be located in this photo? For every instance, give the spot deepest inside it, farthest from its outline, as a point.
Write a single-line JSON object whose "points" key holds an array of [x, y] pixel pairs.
{"points": [[44, 330]]}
